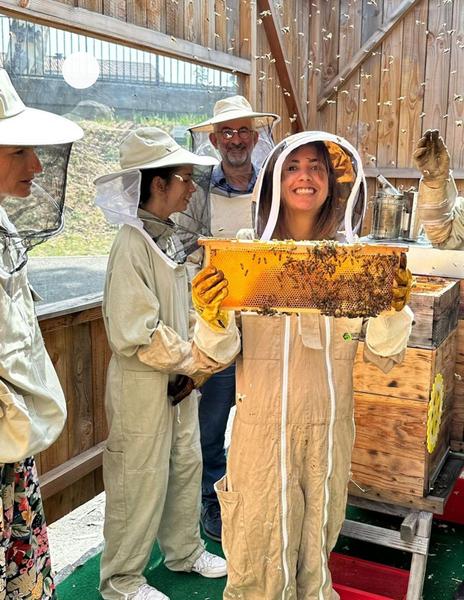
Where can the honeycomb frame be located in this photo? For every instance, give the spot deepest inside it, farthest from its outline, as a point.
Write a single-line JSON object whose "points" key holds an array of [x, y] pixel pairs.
{"points": [[334, 279]]}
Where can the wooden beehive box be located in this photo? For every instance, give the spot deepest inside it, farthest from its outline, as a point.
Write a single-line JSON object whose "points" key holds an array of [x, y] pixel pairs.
{"points": [[457, 421], [435, 303], [390, 457]]}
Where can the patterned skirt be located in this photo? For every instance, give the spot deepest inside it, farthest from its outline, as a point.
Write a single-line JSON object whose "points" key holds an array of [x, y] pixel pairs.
{"points": [[25, 566]]}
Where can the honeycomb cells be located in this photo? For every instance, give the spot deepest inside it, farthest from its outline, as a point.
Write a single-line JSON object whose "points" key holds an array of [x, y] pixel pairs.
{"points": [[338, 280]]}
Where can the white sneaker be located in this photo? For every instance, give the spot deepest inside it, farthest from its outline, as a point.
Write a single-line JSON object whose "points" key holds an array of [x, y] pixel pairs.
{"points": [[146, 592], [210, 565]]}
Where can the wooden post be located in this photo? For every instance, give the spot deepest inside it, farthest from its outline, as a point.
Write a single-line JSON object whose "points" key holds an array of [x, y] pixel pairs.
{"points": [[285, 76]]}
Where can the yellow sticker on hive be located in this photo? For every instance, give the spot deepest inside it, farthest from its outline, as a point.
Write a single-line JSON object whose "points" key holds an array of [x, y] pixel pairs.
{"points": [[435, 412]]}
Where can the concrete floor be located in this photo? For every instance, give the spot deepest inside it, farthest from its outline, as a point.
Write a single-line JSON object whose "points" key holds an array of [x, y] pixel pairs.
{"points": [[68, 550]]}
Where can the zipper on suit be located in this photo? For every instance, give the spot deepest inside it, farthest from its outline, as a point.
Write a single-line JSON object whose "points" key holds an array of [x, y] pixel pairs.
{"points": [[331, 386], [283, 452]]}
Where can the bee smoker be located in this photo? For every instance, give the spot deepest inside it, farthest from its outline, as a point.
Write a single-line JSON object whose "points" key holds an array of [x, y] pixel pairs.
{"points": [[388, 206], [411, 223]]}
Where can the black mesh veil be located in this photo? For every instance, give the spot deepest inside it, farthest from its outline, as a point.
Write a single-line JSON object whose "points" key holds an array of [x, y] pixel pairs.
{"points": [[27, 222], [202, 146], [195, 221]]}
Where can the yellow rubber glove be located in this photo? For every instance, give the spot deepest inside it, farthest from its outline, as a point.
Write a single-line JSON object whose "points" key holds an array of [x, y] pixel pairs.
{"points": [[402, 285], [209, 288], [432, 158]]}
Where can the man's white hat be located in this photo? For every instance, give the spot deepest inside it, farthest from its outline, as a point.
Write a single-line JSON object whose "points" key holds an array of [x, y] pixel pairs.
{"points": [[153, 148], [24, 126], [234, 107]]}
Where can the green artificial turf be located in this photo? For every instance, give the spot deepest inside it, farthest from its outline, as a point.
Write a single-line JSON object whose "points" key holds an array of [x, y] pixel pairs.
{"points": [[83, 583], [445, 566]]}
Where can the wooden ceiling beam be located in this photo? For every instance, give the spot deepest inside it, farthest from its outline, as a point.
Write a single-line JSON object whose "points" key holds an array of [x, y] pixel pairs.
{"points": [[272, 29], [365, 51], [110, 29]]}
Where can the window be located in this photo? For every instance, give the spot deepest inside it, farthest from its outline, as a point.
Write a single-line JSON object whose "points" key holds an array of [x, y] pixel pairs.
{"points": [[132, 88]]}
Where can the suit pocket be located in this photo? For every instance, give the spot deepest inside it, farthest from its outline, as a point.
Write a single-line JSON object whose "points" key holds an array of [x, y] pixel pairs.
{"points": [[145, 405], [113, 478], [239, 568], [261, 337]]}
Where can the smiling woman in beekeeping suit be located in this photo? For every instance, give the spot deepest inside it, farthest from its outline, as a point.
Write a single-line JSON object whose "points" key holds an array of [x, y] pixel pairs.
{"points": [[34, 152], [284, 494]]}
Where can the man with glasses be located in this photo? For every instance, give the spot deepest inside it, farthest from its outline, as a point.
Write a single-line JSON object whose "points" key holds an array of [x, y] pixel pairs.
{"points": [[236, 172], [241, 138]]}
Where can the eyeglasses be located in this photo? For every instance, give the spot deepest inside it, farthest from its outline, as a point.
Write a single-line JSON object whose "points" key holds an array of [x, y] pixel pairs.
{"points": [[180, 178], [243, 133]]}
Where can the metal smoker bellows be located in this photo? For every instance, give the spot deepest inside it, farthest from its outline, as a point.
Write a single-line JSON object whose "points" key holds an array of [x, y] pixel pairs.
{"points": [[339, 280]]}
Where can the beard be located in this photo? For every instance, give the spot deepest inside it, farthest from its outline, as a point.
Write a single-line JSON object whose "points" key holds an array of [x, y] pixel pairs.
{"points": [[237, 157]]}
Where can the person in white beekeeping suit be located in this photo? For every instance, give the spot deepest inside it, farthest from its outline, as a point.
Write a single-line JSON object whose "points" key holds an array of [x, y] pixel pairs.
{"points": [[241, 138], [284, 493], [152, 459], [441, 210], [34, 151]]}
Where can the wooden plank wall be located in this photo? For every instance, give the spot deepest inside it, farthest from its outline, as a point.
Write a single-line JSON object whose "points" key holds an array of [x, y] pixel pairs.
{"points": [[269, 94], [210, 23], [412, 81], [79, 351]]}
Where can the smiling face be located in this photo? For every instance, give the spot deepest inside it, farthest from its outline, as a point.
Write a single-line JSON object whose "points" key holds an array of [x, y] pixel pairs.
{"points": [[179, 189], [305, 180], [236, 150], [168, 192], [18, 167]]}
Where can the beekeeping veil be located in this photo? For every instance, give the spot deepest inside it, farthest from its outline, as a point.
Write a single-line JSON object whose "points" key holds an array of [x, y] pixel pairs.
{"points": [[150, 149], [349, 188], [231, 109], [26, 222]]}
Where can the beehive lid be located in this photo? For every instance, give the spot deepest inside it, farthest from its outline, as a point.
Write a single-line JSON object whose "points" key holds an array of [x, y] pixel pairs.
{"points": [[351, 280]]}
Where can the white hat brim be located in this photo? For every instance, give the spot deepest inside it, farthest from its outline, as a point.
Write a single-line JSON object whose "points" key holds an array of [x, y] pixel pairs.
{"points": [[173, 159], [34, 127], [232, 115]]}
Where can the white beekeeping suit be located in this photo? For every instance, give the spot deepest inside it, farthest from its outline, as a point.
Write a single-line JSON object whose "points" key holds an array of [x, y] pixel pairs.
{"points": [[284, 494], [152, 459], [34, 153], [32, 405]]}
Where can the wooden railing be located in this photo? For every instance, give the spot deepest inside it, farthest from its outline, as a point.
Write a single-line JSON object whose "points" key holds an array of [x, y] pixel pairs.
{"points": [[70, 470]]}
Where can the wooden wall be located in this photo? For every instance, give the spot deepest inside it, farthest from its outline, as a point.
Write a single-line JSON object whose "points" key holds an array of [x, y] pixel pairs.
{"points": [[210, 23], [382, 97], [70, 468]]}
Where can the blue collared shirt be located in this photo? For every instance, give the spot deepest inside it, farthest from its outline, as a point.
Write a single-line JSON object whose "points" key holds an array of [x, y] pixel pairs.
{"points": [[218, 179]]}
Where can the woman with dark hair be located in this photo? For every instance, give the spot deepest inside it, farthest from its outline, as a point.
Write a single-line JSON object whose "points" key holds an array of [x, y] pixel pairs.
{"points": [[152, 459], [329, 215], [284, 494]]}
